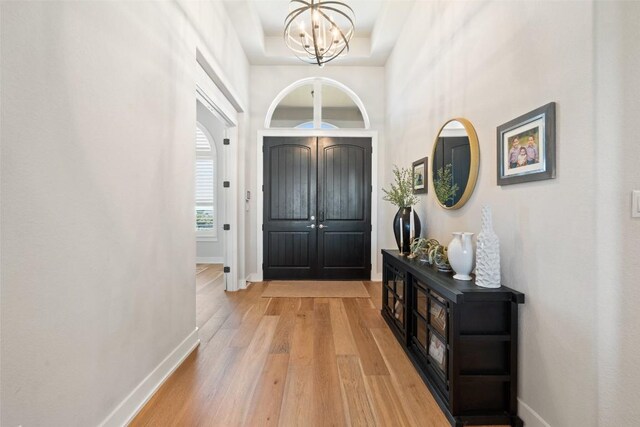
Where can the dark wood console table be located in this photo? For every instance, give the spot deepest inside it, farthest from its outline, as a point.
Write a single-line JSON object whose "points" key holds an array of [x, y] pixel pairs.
{"points": [[462, 339]]}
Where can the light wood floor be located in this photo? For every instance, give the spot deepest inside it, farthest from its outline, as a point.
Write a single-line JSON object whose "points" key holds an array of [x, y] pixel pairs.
{"points": [[291, 362]]}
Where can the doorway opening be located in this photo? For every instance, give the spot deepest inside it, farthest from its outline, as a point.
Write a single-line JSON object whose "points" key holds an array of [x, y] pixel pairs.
{"points": [[217, 217], [210, 210], [209, 191]]}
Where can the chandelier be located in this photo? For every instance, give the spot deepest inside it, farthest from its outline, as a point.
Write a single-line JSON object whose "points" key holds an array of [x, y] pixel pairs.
{"points": [[318, 31]]}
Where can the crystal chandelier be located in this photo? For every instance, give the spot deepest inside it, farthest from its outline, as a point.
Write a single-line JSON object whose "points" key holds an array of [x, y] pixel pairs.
{"points": [[318, 31]]}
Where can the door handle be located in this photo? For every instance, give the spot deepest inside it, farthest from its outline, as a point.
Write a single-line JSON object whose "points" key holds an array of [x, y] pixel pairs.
{"points": [[322, 226], [313, 226]]}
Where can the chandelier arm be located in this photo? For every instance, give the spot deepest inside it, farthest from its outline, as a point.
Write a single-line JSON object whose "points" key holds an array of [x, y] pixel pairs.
{"points": [[336, 55], [323, 5], [293, 15], [306, 3], [334, 2], [336, 11], [313, 33], [309, 52], [287, 31], [344, 38]]}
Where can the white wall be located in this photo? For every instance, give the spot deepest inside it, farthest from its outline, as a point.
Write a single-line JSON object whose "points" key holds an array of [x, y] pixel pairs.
{"points": [[617, 146], [98, 250], [491, 62], [267, 82], [208, 249]]}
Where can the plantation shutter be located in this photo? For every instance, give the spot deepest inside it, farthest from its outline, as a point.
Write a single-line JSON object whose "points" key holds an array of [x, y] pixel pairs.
{"points": [[205, 184]]}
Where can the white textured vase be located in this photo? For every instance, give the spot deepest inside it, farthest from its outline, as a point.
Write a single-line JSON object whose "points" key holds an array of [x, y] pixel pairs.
{"points": [[488, 253], [460, 254]]}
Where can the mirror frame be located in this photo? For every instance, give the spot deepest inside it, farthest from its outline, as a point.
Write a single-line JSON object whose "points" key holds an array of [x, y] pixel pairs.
{"points": [[474, 166]]}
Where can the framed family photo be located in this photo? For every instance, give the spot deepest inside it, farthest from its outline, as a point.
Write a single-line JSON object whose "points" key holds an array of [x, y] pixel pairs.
{"points": [[527, 147], [419, 172]]}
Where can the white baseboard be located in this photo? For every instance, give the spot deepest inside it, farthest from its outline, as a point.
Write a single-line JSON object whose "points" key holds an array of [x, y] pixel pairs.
{"points": [[209, 260], [529, 416], [135, 401], [254, 277]]}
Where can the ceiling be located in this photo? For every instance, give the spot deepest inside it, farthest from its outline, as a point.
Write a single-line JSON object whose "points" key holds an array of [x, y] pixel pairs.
{"points": [[259, 24]]}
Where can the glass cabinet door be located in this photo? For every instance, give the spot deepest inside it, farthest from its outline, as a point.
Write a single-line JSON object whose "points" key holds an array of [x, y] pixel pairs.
{"points": [[394, 295], [419, 316], [438, 333], [438, 316], [430, 326]]}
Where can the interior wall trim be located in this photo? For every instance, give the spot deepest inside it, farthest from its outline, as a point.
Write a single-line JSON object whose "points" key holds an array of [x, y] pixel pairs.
{"points": [[124, 413], [530, 417], [214, 71], [210, 260], [254, 277]]}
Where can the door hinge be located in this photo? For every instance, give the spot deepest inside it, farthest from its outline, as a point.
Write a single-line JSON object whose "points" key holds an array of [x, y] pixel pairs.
{"points": [[226, 227], [262, 187], [227, 270], [370, 267], [371, 189], [371, 227], [262, 227], [263, 266], [226, 184], [226, 141]]}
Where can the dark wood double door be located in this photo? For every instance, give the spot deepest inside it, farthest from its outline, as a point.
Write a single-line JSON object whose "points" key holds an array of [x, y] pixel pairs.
{"points": [[317, 208]]}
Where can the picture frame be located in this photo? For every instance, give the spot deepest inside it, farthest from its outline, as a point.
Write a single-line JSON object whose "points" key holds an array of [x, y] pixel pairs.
{"points": [[527, 147], [419, 175]]}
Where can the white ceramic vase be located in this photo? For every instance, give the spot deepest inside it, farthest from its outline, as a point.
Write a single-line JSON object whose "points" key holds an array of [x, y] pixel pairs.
{"points": [[488, 253], [461, 255]]}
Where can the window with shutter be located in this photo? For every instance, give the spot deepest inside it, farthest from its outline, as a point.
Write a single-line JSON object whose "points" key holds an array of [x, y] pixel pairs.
{"points": [[206, 224]]}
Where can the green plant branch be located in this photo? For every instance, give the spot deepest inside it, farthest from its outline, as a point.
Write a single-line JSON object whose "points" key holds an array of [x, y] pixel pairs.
{"points": [[400, 193], [443, 184]]}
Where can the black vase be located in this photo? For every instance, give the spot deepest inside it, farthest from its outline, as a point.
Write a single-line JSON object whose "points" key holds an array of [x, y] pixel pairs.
{"points": [[405, 214]]}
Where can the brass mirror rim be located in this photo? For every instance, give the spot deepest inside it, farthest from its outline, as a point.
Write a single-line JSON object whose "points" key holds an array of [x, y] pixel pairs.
{"points": [[474, 148]]}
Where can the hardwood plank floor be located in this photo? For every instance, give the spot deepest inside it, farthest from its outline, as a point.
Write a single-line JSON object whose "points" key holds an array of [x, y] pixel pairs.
{"points": [[291, 362]]}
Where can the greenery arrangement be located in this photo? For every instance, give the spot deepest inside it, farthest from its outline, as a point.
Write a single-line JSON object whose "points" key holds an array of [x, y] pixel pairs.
{"points": [[419, 247], [431, 252], [401, 192], [443, 183]]}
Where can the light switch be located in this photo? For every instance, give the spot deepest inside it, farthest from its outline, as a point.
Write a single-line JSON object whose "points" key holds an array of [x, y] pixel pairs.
{"points": [[635, 204]]}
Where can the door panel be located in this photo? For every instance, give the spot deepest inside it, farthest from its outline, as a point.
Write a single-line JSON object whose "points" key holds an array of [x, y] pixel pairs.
{"points": [[290, 173], [344, 208], [344, 183], [290, 182], [317, 215], [344, 249], [288, 249]]}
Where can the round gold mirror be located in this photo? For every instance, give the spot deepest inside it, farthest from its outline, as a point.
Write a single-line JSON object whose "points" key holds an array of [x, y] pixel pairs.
{"points": [[455, 162]]}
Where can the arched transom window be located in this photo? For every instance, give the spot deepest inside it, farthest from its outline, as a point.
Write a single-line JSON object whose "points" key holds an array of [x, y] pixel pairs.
{"points": [[317, 103]]}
